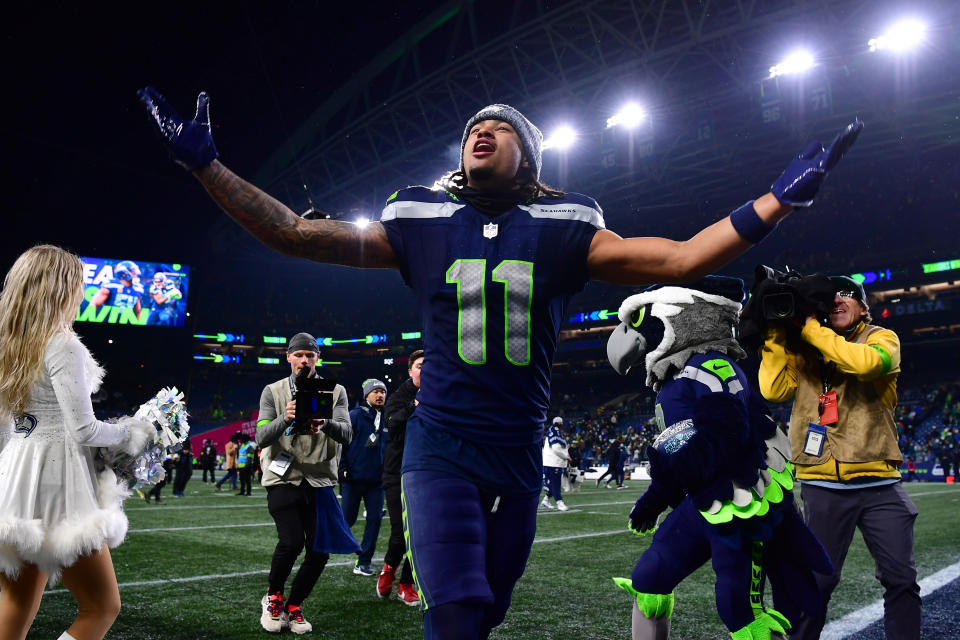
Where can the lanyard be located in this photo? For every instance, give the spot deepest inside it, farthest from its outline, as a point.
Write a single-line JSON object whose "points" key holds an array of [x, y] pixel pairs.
{"points": [[827, 369]]}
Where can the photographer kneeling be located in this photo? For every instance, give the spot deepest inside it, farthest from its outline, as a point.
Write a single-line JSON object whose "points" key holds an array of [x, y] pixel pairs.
{"points": [[299, 461], [842, 377]]}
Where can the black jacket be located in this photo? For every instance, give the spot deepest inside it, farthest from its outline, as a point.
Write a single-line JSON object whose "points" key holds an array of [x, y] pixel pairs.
{"points": [[399, 408]]}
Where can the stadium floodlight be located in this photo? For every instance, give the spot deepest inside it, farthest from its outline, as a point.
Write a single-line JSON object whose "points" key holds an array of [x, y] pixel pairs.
{"points": [[630, 116], [797, 62], [363, 222], [902, 36], [561, 139]]}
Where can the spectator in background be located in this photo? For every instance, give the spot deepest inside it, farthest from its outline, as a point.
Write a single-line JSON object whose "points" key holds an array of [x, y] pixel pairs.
{"points": [[576, 460], [184, 466], [621, 463], [612, 457], [168, 466], [555, 458], [230, 451], [246, 464], [361, 469], [842, 378], [397, 411], [208, 460]]}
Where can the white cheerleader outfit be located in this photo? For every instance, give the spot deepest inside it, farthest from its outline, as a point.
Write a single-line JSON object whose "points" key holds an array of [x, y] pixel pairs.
{"points": [[54, 505]]}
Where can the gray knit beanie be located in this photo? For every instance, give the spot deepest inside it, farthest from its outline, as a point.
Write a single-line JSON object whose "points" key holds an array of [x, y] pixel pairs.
{"points": [[370, 384], [530, 137]]}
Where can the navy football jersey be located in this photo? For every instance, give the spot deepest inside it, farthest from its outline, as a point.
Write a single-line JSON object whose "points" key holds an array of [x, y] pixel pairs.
{"points": [[492, 293], [555, 436], [121, 295]]}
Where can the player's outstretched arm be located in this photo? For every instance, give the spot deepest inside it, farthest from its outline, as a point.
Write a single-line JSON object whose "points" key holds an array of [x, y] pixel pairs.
{"points": [[646, 260], [190, 144], [276, 226]]}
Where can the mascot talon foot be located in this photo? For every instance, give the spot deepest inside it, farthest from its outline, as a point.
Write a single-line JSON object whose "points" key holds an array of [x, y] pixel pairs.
{"points": [[651, 612], [769, 625]]}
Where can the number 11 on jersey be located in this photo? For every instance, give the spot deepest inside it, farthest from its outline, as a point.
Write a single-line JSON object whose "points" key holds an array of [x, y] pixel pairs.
{"points": [[470, 276]]}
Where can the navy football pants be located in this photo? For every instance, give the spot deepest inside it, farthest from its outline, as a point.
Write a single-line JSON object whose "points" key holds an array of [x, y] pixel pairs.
{"points": [[468, 548], [552, 481]]}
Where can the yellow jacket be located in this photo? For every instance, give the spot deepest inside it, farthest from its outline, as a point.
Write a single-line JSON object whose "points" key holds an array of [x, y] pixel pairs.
{"points": [[863, 442]]}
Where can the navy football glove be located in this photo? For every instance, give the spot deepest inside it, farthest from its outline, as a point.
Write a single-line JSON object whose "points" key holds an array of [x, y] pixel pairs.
{"points": [[189, 142], [799, 183]]}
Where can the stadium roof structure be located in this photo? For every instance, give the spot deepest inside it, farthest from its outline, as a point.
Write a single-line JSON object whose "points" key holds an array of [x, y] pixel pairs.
{"points": [[719, 126]]}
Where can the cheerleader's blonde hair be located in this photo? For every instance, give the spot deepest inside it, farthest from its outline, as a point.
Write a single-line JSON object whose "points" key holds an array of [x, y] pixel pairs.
{"points": [[40, 297]]}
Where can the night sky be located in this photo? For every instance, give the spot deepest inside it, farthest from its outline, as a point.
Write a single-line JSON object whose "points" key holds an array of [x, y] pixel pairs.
{"points": [[79, 158]]}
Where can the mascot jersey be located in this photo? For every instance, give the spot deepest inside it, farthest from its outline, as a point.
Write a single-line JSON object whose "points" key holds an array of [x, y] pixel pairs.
{"points": [[492, 292]]}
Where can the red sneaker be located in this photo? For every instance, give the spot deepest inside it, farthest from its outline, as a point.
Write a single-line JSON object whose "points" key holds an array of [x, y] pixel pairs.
{"points": [[385, 580], [407, 594]]}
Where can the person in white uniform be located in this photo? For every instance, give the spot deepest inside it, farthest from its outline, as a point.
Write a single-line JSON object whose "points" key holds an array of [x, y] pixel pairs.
{"points": [[60, 506]]}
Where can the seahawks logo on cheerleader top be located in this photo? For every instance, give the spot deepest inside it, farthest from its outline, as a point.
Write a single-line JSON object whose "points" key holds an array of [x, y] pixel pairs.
{"points": [[25, 424]]}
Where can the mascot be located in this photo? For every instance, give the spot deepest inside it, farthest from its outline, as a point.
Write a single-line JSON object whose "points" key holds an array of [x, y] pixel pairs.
{"points": [[720, 462]]}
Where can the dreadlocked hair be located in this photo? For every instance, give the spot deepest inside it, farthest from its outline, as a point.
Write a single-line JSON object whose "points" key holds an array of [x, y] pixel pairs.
{"points": [[530, 187]]}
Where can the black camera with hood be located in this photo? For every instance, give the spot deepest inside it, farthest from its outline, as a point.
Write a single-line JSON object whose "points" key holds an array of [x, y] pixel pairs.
{"points": [[784, 297]]}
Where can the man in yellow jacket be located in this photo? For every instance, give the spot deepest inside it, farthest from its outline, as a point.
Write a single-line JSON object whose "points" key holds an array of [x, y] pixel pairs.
{"points": [[842, 378]]}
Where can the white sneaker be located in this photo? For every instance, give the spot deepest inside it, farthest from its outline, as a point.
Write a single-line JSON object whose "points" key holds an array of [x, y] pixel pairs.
{"points": [[272, 618], [561, 506], [546, 503], [298, 624]]}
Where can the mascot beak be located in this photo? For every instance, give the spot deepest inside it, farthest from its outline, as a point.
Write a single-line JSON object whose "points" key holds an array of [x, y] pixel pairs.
{"points": [[626, 349]]}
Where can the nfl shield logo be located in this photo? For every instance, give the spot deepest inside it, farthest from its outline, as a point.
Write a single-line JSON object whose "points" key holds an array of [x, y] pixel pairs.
{"points": [[490, 230]]}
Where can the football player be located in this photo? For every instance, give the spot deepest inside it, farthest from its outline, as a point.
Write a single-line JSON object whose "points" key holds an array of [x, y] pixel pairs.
{"points": [[124, 290], [493, 256], [165, 297]]}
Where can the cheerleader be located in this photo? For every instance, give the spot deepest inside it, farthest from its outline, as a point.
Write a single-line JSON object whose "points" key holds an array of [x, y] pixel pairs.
{"points": [[60, 506]]}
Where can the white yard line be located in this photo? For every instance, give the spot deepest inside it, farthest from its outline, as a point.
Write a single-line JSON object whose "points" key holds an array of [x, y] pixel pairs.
{"points": [[860, 619], [165, 507], [198, 528], [350, 563]]}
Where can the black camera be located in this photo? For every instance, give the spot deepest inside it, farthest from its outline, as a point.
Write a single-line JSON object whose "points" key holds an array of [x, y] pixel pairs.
{"points": [[783, 296], [314, 398], [777, 292]]}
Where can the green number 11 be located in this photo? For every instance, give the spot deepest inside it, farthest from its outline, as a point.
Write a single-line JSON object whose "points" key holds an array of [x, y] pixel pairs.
{"points": [[470, 277]]}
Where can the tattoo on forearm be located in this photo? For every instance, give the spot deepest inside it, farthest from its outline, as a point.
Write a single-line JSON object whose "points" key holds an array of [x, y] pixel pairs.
{"points": [[279, 228]]}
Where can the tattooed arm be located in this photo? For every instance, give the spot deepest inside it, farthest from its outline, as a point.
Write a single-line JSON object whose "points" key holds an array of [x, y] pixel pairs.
{"points": [[276, 226]]}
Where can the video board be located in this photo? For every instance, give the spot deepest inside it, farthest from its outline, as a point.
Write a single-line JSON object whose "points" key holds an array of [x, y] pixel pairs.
{"points": [[122, 291]]}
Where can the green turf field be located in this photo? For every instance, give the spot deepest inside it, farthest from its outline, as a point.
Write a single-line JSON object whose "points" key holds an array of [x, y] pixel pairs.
{"points": [[196, 567]]}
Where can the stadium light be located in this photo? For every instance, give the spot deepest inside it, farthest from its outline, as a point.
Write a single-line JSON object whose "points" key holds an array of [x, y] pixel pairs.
{"points": [[902, 36], [561, 139], [797, 62], [363, 222], [630, 116]]}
